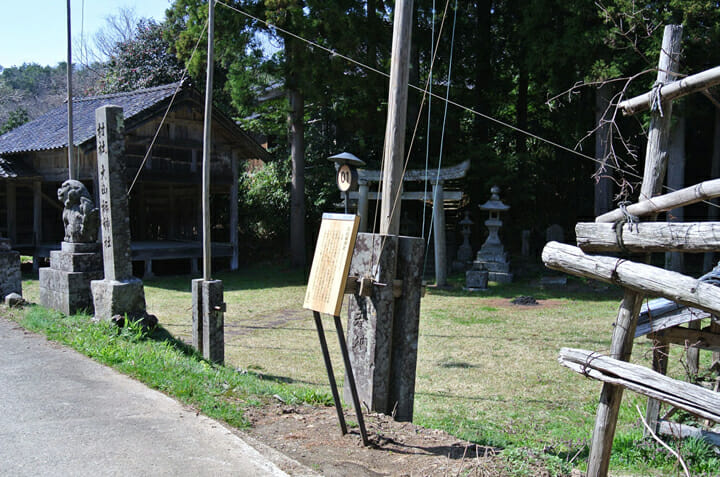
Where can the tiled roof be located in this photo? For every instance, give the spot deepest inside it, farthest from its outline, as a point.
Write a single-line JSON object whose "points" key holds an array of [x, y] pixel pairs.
{"points": [[11, 169], [49, 131]]}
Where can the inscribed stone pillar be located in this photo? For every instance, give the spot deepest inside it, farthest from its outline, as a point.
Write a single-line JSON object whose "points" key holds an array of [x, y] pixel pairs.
{"points": [[383, 328], [119, 293], [370, 320], [234, 165]]}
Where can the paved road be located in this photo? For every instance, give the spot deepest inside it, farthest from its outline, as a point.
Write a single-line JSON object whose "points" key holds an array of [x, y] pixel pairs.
{"points": [[64, 414]]}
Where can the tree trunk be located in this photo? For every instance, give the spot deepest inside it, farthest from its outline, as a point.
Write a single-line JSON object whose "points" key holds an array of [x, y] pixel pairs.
{"points": [[713, 211], [297, 191], [604, 174], [676, 180]]}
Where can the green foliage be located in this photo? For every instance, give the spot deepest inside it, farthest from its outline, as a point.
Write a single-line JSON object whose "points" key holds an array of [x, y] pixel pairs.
{"points": [[16, 118], [633, 451], [265, 200], [144, 61]]}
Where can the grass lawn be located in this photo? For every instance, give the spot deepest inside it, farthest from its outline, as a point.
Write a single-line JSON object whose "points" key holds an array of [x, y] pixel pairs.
{"points": [[487, 370]]}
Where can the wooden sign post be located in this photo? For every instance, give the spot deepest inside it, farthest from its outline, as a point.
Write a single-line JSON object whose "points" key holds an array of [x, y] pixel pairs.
{"points": [[325, 291]]}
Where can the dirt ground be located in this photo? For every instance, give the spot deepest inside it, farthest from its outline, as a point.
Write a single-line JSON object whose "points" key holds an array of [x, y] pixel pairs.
{"points": [[312, 436]]}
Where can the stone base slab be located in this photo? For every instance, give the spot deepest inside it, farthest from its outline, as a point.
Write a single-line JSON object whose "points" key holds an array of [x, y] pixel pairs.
{"points": [[10, 277], [500, 277], [67, 292], [476, 279], [112, 297], [72, 247]]}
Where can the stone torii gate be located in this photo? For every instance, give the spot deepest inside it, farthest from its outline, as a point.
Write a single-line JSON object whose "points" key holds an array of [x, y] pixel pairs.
{"points": [[437, 197]]}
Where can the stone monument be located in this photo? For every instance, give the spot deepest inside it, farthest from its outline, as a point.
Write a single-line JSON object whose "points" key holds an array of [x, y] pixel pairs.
{"points": [[10, 279], [119, 293], [492, 256], [65, 285]]}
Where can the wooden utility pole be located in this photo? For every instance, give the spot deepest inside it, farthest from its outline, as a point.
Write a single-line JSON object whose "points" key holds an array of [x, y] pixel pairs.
{"points": [[72, 172], [394, 150], [207, 137], [624, 329]]}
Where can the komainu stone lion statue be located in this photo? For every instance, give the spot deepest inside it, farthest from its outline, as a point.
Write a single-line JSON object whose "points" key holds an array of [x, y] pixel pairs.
{"points": [[80, 217]]}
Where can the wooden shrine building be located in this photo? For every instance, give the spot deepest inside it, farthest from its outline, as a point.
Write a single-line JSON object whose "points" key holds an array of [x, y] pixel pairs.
{"points": [[165, 200]]}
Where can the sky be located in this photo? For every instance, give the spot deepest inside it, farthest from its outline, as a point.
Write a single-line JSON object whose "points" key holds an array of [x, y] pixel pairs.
{"points": [[35, 31]]}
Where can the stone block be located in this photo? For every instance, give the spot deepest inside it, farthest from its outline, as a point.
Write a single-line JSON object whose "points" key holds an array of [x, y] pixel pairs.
{"points": [[213, 326], [75, 262], [500, 277], [72, 247], [197, 311], [113, 297], [476, 279], [67, 292], [10, 277], [406, 323], [5, 244]]}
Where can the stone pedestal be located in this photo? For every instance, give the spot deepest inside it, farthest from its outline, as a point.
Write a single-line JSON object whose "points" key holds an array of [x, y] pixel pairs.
{"points": [[118, 297], [65, 285], [10, 278]]}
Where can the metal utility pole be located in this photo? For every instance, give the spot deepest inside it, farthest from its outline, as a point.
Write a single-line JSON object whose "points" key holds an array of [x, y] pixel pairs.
{"points": [[206, 144], [394, 151], [72, 172]]}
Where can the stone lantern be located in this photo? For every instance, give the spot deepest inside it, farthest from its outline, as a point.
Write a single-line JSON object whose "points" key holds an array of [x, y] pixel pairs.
{"points": [[464, 253], [492, 256]]}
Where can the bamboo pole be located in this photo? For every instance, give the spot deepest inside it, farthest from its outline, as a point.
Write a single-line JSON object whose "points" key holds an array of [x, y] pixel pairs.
{"points": [[72, 166]]}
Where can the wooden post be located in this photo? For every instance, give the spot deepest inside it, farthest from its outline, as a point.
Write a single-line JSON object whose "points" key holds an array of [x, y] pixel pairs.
{"points": [[37, 212], [362, 207], [207, 138], [439, 235], [234, 261], [624, 331], [11, 211], [394, 151]]}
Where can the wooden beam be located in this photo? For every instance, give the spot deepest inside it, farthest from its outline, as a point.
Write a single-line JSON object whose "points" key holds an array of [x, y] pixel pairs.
{"points": [[700, 339], [677, 89], [693, 237], [678, 317], [689, 195], [639, 277], [694, 399]]}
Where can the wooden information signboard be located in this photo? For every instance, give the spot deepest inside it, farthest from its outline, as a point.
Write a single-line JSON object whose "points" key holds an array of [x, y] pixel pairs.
{"points": [[331, 263]]}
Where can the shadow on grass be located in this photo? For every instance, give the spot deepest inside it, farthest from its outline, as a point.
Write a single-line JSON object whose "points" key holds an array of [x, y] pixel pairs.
{"points": [[248, 278], [160, 334], [576, 289]]}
